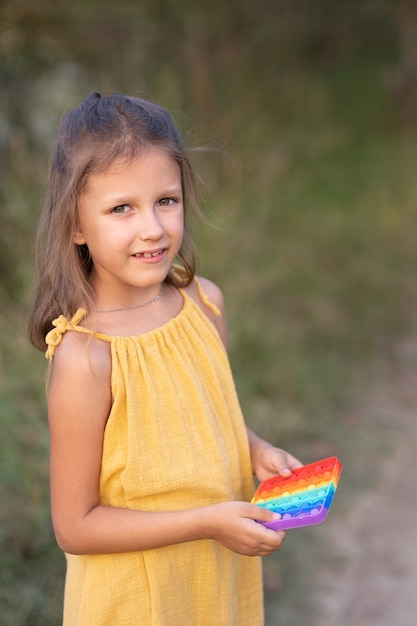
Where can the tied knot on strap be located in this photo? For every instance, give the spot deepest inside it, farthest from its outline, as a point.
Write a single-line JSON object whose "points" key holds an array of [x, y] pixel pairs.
{"points": [[61, 325]]}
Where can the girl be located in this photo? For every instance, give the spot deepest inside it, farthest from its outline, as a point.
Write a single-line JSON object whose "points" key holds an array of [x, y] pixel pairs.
{"points": [[151, 464]]}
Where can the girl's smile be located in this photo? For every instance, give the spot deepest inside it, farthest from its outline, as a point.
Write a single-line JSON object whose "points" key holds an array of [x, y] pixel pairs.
{"points": [[150, 256], [131, 218]]}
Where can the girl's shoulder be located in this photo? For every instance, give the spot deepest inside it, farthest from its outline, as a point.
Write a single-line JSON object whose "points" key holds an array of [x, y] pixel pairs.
{"points": [[211, 291], [205, 293], [83, 356], [209, 297]]}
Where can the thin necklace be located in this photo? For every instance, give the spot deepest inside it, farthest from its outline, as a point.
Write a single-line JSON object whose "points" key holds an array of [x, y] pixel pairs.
{"points": [[130, 308]]}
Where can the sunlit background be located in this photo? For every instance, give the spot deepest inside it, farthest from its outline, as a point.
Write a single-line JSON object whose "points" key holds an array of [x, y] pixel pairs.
{"points": [[309, 113]]}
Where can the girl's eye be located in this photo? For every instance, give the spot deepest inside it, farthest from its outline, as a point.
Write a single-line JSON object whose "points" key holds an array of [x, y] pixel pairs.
{"points": [[166, 201], [122, 208]]}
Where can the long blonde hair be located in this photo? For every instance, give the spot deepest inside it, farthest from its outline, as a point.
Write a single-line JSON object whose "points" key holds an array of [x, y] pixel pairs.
{"points": [[90, 138]]}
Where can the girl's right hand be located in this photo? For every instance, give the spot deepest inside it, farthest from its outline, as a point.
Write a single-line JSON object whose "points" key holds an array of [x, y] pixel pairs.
{"points": [[234, 525]]}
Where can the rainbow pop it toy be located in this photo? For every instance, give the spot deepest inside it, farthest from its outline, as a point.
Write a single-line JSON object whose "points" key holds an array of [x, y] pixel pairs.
{"points": [[304, 498]]}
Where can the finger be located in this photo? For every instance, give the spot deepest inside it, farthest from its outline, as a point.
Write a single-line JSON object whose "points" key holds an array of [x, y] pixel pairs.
{"points": [[274, 542], [285, 465], [261, 514], [294, 463]]}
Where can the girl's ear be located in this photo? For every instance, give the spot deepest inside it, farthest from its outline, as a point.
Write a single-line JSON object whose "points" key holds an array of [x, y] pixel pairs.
{"points": [[78, 237]]}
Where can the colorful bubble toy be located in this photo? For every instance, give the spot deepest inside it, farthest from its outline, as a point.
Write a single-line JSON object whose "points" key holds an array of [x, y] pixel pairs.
{"points": [[302, 499]]}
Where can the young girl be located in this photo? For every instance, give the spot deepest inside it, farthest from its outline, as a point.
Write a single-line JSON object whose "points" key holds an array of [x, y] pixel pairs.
{"points": [[151, 463]]}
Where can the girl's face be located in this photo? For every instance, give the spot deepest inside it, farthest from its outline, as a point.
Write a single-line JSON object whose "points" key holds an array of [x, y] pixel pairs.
{"points": [[131, 217]]}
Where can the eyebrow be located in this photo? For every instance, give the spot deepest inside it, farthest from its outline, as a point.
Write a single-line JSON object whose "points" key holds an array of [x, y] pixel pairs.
{"points": [[171, 190]]}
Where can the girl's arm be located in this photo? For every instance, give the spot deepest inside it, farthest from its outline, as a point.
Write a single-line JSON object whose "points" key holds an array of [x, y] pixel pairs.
{"points": [[79, 403], [267, 460]]}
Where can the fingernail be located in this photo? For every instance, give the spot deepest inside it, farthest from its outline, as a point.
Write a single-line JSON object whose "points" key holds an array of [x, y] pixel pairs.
{"points": [[276, 516]]}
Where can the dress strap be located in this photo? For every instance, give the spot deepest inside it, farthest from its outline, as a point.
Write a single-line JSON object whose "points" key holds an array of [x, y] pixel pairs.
{"points": [[206, 299], [179, 271], [62, 324]]}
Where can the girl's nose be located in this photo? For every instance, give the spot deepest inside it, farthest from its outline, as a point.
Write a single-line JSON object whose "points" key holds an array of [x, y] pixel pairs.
{"points": [[149, 226]]}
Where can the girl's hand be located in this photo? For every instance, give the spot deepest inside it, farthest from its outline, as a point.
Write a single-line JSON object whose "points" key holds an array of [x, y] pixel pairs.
{"points": [[268, 461], [233, 525], [272, 461]]}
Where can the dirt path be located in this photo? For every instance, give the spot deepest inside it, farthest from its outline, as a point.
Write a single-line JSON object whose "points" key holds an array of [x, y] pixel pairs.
{"points": [[373, 579]]}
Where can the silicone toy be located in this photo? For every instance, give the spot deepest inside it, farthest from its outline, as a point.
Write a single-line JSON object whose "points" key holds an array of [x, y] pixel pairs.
{"points": [[304, 498]]}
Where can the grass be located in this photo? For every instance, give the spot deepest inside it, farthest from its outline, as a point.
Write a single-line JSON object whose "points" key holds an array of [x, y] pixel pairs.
{"points": [[317, 260], [313, 243], [31, 570]]}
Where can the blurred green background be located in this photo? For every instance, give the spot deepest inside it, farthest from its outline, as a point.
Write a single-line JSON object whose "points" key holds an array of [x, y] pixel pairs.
{"points": [[309, 109]]}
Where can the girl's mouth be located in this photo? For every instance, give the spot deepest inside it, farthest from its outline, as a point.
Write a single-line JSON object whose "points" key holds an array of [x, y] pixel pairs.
{"points": [[150, 255]]}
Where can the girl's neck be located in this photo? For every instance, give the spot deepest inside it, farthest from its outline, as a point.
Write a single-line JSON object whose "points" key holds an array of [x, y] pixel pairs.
{"points": [[132, 307], [131, 321]]}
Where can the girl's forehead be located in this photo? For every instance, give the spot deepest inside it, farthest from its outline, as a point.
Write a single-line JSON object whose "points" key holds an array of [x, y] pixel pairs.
{"points": [[148, 164], [146, 156]]}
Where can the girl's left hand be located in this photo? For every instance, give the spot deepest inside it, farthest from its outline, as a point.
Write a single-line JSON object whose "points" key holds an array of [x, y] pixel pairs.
{"points": [[271, 461], [268, 461]]}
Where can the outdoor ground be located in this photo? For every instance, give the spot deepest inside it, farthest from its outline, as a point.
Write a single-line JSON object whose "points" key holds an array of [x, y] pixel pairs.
{"points": [[359, 568], [373, 581]]}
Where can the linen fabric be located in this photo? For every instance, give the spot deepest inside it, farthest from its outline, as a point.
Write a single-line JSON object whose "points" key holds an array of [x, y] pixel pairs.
{"points": [[175, 440]]}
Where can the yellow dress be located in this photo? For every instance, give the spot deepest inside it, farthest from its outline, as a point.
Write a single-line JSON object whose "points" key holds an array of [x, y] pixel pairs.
{"points": [[175, 439]]}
